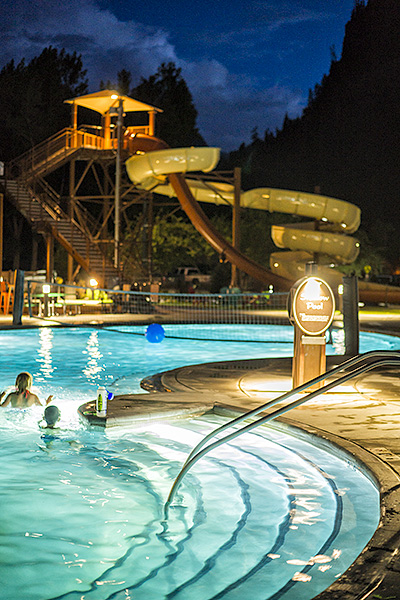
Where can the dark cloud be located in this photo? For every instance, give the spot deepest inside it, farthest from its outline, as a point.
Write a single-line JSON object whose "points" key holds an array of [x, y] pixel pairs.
{"points": [[107, 44], [237, 110], [230, 104]]}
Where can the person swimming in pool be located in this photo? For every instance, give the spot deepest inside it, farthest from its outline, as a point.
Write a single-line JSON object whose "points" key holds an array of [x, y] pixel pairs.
{"points": [[51, 416], [49, 422], [22, 397]]}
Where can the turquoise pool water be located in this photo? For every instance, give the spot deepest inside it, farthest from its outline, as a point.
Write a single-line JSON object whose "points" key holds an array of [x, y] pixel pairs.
{"points": [[267, 517], [70, 363]]}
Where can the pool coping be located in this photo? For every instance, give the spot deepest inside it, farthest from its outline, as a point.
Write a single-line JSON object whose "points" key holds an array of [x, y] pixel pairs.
{"points": [[368, 570], [377, 563]]}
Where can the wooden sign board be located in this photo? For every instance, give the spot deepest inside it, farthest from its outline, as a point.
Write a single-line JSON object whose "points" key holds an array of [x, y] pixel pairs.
{"points": [[313, 306]]}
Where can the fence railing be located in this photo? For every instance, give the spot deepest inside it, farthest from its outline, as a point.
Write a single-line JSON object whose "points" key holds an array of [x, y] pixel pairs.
{"points": [[55, 148], [60, 300], [60, 145]]}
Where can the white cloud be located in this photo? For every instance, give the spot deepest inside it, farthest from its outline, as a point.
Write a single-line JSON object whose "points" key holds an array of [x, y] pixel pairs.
{"points": [[276, 15], [231, 106], [238, 110]]}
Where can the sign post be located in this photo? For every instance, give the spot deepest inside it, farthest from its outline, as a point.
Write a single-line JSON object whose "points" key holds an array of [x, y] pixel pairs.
{"points": [[311, 310]]}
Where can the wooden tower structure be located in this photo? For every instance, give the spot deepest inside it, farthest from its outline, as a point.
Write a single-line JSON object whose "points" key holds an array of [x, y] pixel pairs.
{"points": [[85, 218]]}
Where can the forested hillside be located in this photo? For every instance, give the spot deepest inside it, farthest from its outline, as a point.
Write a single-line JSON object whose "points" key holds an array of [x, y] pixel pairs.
{"points": [[346, 143]]}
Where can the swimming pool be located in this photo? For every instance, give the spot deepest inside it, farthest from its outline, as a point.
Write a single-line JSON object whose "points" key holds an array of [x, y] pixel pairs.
{"points": [[71, 362], [84, 516]]}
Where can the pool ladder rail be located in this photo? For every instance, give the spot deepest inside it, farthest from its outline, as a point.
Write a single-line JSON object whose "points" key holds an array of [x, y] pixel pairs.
{"points": [[359, 364]]}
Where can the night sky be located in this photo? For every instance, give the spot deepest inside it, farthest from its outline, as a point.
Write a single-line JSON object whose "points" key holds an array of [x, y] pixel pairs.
{"points": [[247, 63]]}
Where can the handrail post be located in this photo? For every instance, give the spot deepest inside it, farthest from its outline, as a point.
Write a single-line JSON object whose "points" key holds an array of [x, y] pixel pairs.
{"points": [[30, 299]]}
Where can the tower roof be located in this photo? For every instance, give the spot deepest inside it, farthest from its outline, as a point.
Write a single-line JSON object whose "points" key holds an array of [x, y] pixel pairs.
{"points": [[105, 99]]}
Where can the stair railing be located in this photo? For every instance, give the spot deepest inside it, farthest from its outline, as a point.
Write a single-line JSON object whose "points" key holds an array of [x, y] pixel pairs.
{"points": [[52, 150], [39, 154], [48, 197], [33, 164], [86, 221], [372, 360]]}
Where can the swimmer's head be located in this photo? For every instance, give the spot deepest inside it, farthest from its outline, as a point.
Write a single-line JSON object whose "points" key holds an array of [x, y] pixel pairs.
{"points": [[23, 382], [52, 415]]}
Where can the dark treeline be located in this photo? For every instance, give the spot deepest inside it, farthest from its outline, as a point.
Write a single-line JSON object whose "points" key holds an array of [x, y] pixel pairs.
{"points": [[166, 89], [346, 143], [32, 106], [32, 98], [32, 109]]}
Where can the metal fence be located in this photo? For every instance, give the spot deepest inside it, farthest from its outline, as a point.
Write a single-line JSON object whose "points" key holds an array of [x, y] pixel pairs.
{"points": [[60, 301]]}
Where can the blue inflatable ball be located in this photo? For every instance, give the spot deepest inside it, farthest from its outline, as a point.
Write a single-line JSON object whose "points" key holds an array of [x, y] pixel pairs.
{"points": [[155, 333]]}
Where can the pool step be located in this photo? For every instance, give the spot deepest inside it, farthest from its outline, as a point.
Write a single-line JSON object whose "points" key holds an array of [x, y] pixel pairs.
{"points": [[241, 548]]}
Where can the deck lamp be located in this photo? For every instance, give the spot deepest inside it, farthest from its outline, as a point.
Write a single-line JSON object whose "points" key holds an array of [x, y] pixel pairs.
{"points": [[46, 292]]}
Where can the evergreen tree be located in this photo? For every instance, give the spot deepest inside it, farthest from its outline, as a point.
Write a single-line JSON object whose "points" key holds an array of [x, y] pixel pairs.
{"points": [[346, 141], [124, 82], [32, 96], [167, 89]]}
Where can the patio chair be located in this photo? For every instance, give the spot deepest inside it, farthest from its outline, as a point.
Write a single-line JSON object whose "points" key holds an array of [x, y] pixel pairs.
{"points": [[6, 297]]}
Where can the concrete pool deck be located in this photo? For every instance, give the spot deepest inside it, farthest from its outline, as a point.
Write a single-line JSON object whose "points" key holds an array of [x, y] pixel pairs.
{"points": [[362, 417]]}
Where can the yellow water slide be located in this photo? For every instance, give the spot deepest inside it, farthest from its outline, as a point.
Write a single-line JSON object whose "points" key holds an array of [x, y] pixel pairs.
{"points": [[325, 239]]}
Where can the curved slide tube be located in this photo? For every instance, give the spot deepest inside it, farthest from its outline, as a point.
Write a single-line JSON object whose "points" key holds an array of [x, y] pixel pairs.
{"points": [[335, 217], [148, 171], [160, 170]]}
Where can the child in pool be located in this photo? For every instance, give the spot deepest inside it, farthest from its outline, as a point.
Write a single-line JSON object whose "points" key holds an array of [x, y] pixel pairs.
{"points": [[49, 424], [22, 397], [51, 416]]}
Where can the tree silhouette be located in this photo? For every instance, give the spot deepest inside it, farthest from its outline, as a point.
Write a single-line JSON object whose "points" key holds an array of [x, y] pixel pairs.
{"points": [[346, 141], [32, 96], [167, 90]]}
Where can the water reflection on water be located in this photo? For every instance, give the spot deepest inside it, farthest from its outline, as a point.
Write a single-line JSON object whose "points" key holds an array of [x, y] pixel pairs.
{"points": [[94, 356], [45, 353]]}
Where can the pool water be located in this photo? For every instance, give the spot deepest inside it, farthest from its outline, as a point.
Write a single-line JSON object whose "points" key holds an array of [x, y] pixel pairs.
{"points": [[267, 516], [71, 363]]}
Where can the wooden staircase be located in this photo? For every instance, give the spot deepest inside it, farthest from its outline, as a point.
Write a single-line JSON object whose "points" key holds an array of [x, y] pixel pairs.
{"points": [[34, 198]]}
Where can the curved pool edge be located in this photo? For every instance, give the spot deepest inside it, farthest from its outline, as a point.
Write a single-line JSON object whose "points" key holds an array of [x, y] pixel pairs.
{"points": [[378, 561], [379, 557], [377, 568]]}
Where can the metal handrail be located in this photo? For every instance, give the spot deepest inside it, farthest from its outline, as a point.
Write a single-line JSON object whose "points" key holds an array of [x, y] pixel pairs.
{"points": [[48, 198], [53, 208], [27, 157], [308, 384], [59, 144], [389, 359]]}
